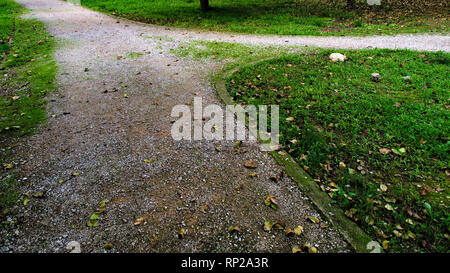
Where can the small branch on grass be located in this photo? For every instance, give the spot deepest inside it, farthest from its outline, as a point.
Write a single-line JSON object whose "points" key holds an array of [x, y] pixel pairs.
{"points": [[23, 86]]}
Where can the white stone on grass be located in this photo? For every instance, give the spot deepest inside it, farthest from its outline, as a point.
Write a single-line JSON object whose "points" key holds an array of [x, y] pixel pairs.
{"points": [[335, 57]]}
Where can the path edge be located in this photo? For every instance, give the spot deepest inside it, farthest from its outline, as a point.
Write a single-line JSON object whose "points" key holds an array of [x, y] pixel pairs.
{"points": [[354, 235]]}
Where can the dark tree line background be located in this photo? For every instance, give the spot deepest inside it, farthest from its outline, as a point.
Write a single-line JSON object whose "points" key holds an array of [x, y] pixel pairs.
{"points": [[407, 4], [204, 4]]}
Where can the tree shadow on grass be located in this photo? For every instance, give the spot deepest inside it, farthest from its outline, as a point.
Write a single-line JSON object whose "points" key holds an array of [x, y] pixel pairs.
{"points": [[314, 14]]}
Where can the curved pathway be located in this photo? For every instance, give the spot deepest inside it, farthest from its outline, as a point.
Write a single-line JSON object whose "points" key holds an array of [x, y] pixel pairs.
{"points": [[113, 112], [420, 42]]}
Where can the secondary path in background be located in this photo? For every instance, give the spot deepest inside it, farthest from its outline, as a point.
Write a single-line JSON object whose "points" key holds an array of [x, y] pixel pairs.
{"points": [[425, 42], [116, 92]]}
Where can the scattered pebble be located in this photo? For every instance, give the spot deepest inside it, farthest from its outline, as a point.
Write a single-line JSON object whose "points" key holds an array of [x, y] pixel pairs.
{"points": [[74, 247], [376, 77]]}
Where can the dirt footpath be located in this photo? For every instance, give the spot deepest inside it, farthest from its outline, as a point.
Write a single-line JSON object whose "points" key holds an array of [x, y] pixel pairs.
{"points": [[108, 138]]}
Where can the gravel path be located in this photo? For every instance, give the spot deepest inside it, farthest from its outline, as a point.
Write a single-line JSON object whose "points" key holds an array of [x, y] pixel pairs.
{"points": [[112, 113], [425, 42], [105, 138], [421, 42]]}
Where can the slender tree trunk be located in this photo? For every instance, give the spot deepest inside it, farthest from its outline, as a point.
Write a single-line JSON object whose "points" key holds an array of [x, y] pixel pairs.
{"points": [[204, 4], [350, 4]]}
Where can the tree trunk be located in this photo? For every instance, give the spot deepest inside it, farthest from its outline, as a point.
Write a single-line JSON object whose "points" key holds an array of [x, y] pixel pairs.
{"points": [[204, 4], [350, 4]]}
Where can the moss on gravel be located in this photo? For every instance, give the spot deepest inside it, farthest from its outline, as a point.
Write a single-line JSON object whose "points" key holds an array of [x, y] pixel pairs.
{"points": [[28, 73]]}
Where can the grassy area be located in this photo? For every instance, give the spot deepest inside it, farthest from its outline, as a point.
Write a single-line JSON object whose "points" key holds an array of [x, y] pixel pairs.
{"points": [[8, 193], [220, 51], [27, 75], [287, 17], [28, 71], [379, 149]]}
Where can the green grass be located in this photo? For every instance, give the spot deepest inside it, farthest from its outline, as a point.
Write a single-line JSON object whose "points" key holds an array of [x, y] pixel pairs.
{"points": [[220, 51], [28, 71], [133, 55], [287, 17], [341, 115], [8, 193], [27, 75]]}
